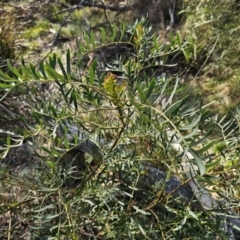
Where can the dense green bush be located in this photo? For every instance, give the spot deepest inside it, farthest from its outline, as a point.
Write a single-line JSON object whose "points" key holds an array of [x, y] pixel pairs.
{"points": [[136, 113]]}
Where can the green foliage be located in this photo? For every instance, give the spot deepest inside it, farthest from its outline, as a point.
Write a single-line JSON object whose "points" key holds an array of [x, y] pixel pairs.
{"points": [[214, 26], [136, 114]]}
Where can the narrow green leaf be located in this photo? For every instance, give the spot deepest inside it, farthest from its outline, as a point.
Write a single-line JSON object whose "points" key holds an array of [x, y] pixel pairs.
{"points": [[66, 95], [68, 62], [76, 139], [191, 134], [130, 95], [66, 143], [142, 230], [5, 76], [151, 87], [82, 48], [10, 133], [123, 30], [73, 99], [87, 40], [173, 108], [46, 150], [53, 74], [186, 55], [42, 69], [189, 105], [141, 93], [191, 213], [50, 206], [91, 74], [93, 41], [202, 139], [89, 202], [207, 147], [179, 41], [163, 88], [212, 165], [8, 141], [46, 217], [6, 86], [51, 164], [205, 115], [27, 73], [193, 124], [36, 117], [140, 211], [34, 72], [173, 91], [172, 40], [199, 161], [145, 117], [62, 69], [137, 105], [103, 35], [114, 33], [53, 61], [195, 51], [14, 70], [52, 109], [4, 152], [175, 140], [46, 189]]}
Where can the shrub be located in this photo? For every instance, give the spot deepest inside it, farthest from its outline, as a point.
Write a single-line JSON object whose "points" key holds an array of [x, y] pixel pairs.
{"points": [[135, 112]]}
